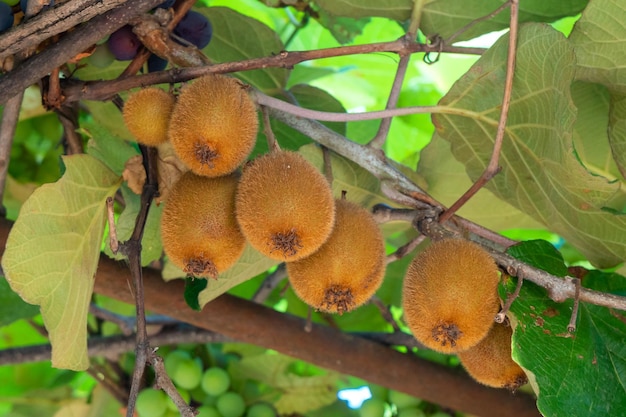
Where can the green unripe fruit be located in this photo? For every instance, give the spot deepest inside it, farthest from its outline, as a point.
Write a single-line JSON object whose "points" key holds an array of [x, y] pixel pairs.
{"points": [[151, 403], [231, 404], [215, 381], [374, 407], [402, 400], [411, 412], [208, 411], [261, 410], [188, 374], [172, 360]]}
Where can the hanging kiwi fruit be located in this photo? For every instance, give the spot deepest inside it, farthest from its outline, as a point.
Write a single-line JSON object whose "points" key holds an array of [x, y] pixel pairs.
{"points": [[147, 114], [450, 295], [198, 228], [347, 270], [490, 362], [214, 125], [284, 206]]}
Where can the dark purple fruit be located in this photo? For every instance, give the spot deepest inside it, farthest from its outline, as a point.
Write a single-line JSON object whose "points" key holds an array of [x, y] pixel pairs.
{"points": [[195, 28], [166, 4], [124, 44], [156, 63], [6, 17]]}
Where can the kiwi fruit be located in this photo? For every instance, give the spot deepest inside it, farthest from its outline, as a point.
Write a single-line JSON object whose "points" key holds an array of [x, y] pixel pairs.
{"points": [[198, 227], [214, 125], [490, 362], [284, 206], [347, 270], [147, 114], [450, 295]]}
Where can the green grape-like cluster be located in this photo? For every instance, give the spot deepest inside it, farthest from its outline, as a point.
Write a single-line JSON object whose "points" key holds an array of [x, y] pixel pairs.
{"points": [[390, 403], [207, 387]]}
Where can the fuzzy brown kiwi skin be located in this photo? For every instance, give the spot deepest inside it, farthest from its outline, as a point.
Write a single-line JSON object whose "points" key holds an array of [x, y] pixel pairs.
{"points": [[450, 295], [490, 362], [147, 113], [348, 269], [198, 228], [214, 125], [285, 206]]}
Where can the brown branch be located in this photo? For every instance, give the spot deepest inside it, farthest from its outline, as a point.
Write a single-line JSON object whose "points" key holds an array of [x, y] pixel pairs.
{"points": [[326, 347], [270, 282], [571, 327], [112, 346], [99, 90], [52, 22], [509, 302], [493, 167], [162, 381], [132, 248], [34, 68], [10, 117]]}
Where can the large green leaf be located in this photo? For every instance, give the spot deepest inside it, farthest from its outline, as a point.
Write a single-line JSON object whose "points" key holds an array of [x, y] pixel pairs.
{"points": [[599, 39], [573, 374], [445, 17], [53, 249], [236, 38], [540, 174]]}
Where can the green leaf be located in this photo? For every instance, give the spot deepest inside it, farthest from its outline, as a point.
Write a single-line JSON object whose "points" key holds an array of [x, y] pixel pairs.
{"points": [[343, 29], [617, 132], [591, 141], [249, 265], [110, 149], [579, 374], [53, 249], [193, 287], [445, 17], [541, 254], [540, 174], [228, 45], [598, 39], [299, 394], [12, 307]]}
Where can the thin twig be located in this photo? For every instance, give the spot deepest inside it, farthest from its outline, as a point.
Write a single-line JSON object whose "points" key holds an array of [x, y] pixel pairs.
{"points": [[132, 248], [101, 374], [404, 250], [474, 22], [127, 323], [501, 316], [392, 101], [10, 117], [100, 90], [328, 164], [68, 116], [113, 242], [269, 283], [493, 168], [272, 143], [571, 327], [165, 383], [383, 214], [385, 312]]}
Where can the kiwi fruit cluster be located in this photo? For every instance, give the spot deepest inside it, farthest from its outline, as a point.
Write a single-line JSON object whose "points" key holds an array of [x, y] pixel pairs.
{"points": [[279, 202], [450, 300], [212, 127]]}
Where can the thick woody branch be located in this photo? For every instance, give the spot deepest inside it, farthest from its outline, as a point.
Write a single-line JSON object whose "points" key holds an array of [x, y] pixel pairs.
{"points": [[32, 69], [52, 22]]}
